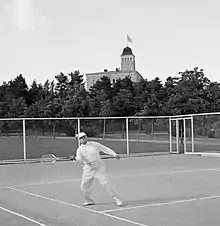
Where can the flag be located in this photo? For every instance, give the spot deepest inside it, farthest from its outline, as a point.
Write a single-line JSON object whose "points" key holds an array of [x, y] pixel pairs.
{"points": [[129, 39]]}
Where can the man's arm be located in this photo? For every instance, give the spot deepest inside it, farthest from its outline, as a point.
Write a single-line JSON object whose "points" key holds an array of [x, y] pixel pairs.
{"points": [[107, 150], [78, 157]]}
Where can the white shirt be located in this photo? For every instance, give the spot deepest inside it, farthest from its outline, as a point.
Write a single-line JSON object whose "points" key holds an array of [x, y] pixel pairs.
{"points": [[89, 153]]}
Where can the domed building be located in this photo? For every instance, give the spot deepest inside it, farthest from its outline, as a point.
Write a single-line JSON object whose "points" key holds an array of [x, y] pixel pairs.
{"points": [[127, 69]]}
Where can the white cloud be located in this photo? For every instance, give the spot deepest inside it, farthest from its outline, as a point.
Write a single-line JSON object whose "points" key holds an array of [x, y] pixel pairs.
{"points": [[22, 12], [44, 20], [25, 15]]}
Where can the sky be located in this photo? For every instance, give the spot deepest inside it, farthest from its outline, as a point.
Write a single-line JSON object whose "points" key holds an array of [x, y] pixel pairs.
{"points": [[41, 38]]}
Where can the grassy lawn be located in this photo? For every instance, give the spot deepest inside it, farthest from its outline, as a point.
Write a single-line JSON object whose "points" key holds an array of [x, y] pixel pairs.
{"points": [[12, 147]]}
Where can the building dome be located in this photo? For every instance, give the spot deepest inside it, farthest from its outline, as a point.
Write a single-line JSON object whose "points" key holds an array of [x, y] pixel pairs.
{"points": [[127, 51]]}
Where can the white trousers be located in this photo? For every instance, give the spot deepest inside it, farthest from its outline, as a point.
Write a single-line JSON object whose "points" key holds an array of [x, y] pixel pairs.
{"points": [[96, 172]]}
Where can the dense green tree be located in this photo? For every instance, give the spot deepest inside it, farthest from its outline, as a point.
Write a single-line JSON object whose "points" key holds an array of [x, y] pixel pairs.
{"points": [[34, 93], [61, 85], [17, 107], [123, 103], [188, 94], [17, 88], [123, 83], [149, 97], [3, 91], [76, 103], [213, 97], [4, 106], [75, 78], [104, 83]]}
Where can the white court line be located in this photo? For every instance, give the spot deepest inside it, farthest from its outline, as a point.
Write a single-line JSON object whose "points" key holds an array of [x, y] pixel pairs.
{"points": [[40, 183], [22, 216], [116, 177], [162, 204], [79, 207], [121, 176], [167, 172]]}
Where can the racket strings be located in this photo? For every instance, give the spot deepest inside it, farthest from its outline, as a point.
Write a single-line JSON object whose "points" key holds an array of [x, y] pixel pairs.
{"points": [[51, 158], [48, 158]]}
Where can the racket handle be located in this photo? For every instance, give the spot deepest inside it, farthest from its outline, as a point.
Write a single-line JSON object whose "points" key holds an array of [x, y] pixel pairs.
{"points": [[72, 158]]}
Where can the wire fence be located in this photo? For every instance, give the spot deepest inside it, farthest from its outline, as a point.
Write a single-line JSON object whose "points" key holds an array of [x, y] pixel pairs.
{"points": [[30, 138]]}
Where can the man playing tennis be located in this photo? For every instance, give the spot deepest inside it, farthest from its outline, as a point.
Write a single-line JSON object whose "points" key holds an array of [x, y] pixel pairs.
{"points": [[94, 168]]}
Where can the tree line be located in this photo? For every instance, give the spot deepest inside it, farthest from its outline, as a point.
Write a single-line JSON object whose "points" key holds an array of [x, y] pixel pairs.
{"points": [[66, 96]]}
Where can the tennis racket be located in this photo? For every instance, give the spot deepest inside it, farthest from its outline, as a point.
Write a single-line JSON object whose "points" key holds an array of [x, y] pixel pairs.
{"points": [[51, 159]]}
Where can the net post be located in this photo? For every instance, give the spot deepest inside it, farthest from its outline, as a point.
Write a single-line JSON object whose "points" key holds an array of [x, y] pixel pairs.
{"points": [[192, 133], [78, 124], [170, 128], [127, 137], [104, 128], [177, 135], [184, 130], [24, 140]]}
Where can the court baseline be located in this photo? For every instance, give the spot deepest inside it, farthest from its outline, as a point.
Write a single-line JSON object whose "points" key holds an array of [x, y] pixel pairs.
{"points": [[163, 203]]}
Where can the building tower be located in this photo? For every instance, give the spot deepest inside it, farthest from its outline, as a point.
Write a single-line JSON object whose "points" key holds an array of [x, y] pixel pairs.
{"points": [[127, 69], [127, 60]]}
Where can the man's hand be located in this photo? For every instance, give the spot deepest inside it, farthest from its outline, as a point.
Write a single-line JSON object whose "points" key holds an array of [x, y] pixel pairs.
{"points": [[72, 158], [117, 157]]}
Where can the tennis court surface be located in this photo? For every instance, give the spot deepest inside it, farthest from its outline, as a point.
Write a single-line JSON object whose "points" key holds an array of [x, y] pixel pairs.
{"points": [[165, 190]]}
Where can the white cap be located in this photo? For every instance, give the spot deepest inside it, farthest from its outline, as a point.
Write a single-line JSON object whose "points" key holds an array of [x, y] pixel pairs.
{"points": [[80, 135]]}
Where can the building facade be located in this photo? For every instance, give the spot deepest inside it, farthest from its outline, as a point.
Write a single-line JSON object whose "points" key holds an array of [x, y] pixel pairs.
{"points": [[127, 69]]}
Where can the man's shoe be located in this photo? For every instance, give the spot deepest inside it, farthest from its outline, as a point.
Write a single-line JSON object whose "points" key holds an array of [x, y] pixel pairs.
{"points": [[88, 203], [119, 202]]}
